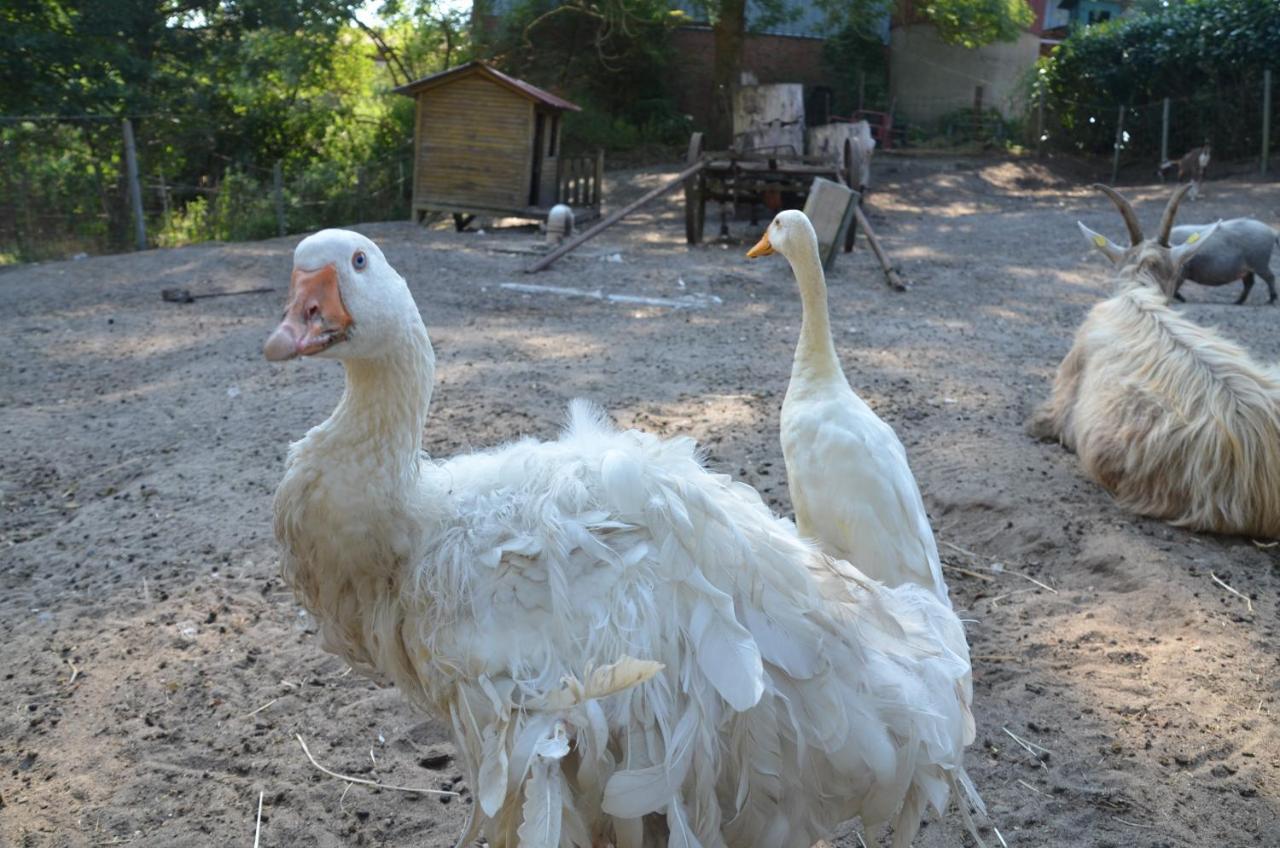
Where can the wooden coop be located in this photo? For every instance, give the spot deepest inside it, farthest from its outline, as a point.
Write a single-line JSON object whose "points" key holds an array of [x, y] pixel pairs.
{"points": [[488, 144]]}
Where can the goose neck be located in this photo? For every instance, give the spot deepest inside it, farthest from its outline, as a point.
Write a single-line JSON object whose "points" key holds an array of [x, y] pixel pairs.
{"points": [[816, 352], [384, 407]]}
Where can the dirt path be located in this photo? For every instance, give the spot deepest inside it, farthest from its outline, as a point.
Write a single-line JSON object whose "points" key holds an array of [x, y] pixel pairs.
{"points": [[156, 672]]}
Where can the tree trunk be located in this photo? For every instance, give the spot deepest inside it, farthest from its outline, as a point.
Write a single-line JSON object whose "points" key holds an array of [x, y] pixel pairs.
{"points": [[730, 31]]}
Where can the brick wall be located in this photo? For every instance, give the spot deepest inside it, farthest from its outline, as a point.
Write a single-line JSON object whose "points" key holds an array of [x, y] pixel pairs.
{"points": [[772, 58]]}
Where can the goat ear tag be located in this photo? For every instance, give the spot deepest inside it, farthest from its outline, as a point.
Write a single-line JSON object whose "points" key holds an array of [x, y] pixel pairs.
{"points": [[1193, 238], [1100, 241]]}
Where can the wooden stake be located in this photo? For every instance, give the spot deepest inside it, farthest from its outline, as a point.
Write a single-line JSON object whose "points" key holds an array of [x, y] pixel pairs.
{"points": [[1115, 160], [164, 201], [613, 218], [277, 181], [1266, 118], [977, 112], [1164, 136], [891, 276], [1040, 121], [135, 188]]}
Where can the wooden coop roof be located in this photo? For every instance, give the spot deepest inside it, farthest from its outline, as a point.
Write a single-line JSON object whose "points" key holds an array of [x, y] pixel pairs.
{"points": [[477, 68]]}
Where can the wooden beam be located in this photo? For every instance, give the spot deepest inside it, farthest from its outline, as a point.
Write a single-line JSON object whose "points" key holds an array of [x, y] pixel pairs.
{"points": [[135, 187], [613, 218], [891, 275]]}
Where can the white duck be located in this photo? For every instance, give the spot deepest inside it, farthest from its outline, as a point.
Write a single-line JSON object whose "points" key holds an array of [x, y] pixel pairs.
{"points": [[847, 473], [630, 650]]}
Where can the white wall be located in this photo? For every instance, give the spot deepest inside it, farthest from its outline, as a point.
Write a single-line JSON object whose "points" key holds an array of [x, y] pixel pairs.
{"points": [[929, 78]]}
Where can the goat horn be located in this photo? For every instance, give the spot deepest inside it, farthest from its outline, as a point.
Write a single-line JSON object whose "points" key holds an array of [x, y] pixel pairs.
{"points": [[1126, 211], [1170, 211]]}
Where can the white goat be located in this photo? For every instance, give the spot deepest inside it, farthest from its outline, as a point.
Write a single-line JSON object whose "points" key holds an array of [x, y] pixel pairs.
{"points": [[1175, 421]]}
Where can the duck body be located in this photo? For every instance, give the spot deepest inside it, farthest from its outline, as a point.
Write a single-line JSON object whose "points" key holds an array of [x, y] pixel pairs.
{"points": [[630, 650], [852, 487], [850, 482]]}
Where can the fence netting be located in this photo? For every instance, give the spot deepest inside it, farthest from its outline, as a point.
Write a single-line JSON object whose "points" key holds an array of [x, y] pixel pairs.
{"points": [[64, 190], [1230, 119]]}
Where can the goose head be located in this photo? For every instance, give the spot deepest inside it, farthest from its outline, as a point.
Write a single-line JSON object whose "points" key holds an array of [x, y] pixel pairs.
{"points": [[345, 301], [790, 234]]}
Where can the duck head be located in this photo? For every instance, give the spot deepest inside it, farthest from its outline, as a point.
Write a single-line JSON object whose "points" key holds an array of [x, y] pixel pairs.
{"points": [[788, 234], [345, 301]]}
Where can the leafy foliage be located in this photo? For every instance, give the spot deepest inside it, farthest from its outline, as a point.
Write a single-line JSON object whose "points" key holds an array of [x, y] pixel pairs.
{"points": [[854, 57], [614, 59], [1181, 48], [218, 91], [973, 23], [1206, 55]]}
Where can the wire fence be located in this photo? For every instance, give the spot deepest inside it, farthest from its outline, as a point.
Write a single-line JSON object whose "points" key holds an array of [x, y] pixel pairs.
{"points": [[65, 184], [65, 188], [1135, 139]]}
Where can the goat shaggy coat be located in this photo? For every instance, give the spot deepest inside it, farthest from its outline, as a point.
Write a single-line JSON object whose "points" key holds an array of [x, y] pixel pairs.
{"points": [[1177, 422]]}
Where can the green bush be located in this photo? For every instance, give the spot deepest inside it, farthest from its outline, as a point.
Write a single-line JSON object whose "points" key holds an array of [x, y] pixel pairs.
{"points": [[1206, 55]]}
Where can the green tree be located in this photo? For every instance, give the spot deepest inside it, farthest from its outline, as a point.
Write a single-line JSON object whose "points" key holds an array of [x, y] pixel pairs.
{"points": [[973, 23], [612, 58], [219, 90], [1207, 55]]}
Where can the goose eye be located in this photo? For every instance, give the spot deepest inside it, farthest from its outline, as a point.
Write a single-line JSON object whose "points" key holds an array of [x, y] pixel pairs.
{"points": [[359, 260]]}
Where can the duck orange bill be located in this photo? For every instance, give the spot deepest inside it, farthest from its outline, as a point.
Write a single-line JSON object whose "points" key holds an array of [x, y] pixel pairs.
{"points": [[315, 317], [762, 248]]}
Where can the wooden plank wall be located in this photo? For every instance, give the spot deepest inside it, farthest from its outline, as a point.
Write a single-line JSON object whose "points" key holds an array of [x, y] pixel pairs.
{"points": [[547, 188], [474, 139]]}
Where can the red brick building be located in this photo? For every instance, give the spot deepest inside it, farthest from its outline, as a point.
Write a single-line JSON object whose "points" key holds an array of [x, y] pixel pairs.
{"points": [[769, 58]]}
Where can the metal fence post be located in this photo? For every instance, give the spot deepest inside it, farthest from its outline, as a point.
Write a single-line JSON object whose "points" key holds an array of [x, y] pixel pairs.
{"points": [[1266, 117], [1164, 135], [277, 181], [1115, 161], [164, 202], [977, 112], [135, 189], [1040, 121]]}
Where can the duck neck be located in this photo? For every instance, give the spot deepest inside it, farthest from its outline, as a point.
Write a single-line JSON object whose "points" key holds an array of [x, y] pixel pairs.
{"points": [[816, 352], [384, 407]]}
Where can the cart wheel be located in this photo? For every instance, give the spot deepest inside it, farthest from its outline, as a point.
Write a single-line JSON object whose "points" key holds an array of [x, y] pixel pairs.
{"points": [[695, 196]]}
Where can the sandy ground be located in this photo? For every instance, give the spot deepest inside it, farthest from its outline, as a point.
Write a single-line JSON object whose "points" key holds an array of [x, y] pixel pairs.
{"points": [[155, 671]]}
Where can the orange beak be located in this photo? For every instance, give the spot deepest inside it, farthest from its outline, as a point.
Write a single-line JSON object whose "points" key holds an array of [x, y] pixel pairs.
{"points": [[762, 248], [315, 318]]}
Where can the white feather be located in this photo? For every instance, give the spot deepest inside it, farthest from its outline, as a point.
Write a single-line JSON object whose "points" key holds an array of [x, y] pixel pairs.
{"points": [[543, 806], [724, 649], [492, 789]]}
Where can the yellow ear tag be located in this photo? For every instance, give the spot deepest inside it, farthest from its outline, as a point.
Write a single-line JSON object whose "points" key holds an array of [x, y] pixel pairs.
{"points": [[1193, 238], [1100, 241]]}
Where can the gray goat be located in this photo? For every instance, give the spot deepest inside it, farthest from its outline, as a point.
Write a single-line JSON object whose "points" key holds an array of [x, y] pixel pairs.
{"points": [[1241, 247]]}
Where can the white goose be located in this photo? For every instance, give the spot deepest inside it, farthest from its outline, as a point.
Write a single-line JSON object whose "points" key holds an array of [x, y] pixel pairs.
{"points": [[631, 650], [847, 473]]}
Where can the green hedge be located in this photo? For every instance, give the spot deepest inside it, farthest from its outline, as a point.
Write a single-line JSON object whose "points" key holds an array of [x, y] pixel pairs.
{"points": [[1207, 56]]}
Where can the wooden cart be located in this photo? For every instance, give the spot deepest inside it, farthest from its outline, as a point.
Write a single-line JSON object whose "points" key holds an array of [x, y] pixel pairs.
{"points": [[774, 179]]}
